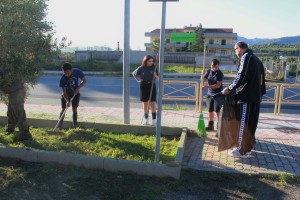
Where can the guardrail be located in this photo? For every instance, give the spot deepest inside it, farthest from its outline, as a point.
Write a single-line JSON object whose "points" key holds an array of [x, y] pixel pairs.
{"points": [[277, 93], [181, 91], [288, 94], [271, 97]]}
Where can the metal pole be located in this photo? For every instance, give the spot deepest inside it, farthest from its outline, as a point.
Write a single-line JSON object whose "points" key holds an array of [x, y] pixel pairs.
{"points": [[202, 80], [126, 63], [296, 80], [160, 80]]}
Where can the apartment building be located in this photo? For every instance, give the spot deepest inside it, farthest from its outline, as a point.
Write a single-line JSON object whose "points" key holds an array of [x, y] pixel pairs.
{"points": [[219, 41]]}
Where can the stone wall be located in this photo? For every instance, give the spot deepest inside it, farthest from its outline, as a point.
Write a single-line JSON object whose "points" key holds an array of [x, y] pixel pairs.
{"points": [[137, 56]]}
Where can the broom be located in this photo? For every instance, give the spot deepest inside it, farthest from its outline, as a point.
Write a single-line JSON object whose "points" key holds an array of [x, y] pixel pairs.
{"points": [[201, 130]]}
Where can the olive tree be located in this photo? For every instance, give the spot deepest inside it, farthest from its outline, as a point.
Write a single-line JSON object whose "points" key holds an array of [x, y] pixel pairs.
{"points": [[26, 42]]}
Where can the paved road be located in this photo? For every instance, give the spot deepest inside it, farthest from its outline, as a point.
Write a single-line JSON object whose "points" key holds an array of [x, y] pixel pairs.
{"points": [[107, 92], [98, 92]]}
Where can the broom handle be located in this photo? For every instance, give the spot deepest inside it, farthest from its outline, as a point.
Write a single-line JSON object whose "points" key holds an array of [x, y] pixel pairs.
{"points": [[62, 115], [202, 80]]}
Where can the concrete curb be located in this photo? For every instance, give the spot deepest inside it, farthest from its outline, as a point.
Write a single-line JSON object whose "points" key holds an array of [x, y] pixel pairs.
{"points": [[115, 128], [180, 150], [96, 162], [91, 162], [181, 146]]}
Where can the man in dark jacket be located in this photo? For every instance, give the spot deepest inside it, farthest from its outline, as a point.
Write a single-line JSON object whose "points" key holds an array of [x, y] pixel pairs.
{"points": [[247, 89]]}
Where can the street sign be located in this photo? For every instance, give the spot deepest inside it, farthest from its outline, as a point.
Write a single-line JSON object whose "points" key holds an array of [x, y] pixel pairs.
{"points": [[183, 37]]}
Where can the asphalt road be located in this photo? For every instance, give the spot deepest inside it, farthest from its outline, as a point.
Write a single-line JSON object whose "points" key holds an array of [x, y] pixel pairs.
{"points": [[108, 91], [99, 91]]}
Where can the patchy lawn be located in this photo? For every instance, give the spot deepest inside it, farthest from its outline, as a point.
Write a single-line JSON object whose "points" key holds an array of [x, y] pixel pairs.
{"points": [[93, 142], [25, 180]]}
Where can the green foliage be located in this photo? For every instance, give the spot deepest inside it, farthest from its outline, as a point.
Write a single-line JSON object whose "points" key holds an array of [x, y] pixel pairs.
{"points": [[155, 45], [26, 41], [198, 46], [181, 69], [276, 49]]}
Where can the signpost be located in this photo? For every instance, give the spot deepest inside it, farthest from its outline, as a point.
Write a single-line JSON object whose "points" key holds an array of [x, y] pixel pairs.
{"points": [[161, 71]]}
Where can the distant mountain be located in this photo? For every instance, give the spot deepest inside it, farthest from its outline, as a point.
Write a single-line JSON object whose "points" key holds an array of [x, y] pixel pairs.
{"points": [[283, 40]]}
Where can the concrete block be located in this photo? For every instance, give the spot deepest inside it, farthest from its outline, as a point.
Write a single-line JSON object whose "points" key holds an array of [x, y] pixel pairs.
{"points": [[20, 153], [92, 162], [141, 168], [181, 146], [114, 128]]}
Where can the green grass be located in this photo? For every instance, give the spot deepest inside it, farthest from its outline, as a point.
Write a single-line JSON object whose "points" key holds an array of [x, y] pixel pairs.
{"points": [[93, 142], [176, 107], [189, 69], [181, 69], [25, 180]]}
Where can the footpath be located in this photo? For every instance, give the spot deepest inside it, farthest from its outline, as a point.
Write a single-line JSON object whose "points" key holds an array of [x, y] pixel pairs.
{"points": [[277, 148]]}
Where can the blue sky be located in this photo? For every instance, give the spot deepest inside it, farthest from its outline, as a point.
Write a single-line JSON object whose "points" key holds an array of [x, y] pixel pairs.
{"points": [[101, 22]]}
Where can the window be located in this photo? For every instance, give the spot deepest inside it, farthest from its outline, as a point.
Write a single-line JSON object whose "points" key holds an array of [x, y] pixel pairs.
{"points": [[211, 41], [223, 52], [168, 40], [223, 42]]}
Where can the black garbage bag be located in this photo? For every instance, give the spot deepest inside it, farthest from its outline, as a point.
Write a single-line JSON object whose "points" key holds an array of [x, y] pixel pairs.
{"points": [[229, 123]]}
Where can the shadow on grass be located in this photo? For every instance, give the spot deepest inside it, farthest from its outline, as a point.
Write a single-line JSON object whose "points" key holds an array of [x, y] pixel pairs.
{"points": [[24, 180]]}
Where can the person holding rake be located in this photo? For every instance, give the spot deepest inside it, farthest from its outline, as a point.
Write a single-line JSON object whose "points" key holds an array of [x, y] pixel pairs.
{"points": [[146, 75], [70, 91]]}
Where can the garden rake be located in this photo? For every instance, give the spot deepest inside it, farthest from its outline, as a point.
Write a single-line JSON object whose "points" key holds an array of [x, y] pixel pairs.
{"points": [[63, 114]]}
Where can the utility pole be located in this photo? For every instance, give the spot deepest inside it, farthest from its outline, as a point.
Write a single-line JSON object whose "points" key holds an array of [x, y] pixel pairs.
{"points": [[126, 63], [161, 71]]}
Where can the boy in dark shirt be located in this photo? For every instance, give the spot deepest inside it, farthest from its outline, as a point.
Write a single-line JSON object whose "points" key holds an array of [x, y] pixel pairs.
{"points": [[214, 77], [70, 90]]}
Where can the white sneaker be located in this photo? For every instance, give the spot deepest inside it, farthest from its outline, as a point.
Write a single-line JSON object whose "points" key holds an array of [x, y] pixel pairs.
{"points": [[236, 154], [154, 123], [146, 122]]}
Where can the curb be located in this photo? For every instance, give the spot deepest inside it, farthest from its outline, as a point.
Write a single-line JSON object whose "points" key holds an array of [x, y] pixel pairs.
{"points": [[180, 150], [171, 169], [115, 128], [91, 162]]}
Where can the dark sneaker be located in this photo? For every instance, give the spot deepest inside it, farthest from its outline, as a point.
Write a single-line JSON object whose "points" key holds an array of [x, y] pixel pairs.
{"points": [[209, 128], [9, 131], [21, 136]]}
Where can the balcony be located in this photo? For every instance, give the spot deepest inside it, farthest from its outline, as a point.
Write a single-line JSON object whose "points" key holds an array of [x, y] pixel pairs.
{"points": [[219, 46], [221, 35], [168, 45], [149, 34], [206, 35]]}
